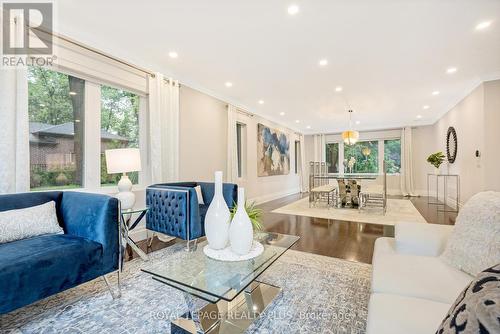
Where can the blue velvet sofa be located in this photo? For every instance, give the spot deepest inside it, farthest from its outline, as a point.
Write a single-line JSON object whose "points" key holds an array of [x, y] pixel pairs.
{"points": [[175, 211], [37, 267]]}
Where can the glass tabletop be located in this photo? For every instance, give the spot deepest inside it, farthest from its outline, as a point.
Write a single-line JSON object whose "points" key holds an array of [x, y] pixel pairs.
{"points": [[347, 176], [135, 210], [212, 280]]}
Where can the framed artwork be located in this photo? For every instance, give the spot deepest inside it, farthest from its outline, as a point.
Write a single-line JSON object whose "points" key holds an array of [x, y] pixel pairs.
{"points": [[273, 151]]}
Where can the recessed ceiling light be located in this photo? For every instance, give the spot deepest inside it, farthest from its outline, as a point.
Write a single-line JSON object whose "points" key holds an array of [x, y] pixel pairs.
{"points": [[173, 54], [358, 122], [72, 93], [282, 113], [338, 89], [425, 107], [229, 84], [261, 101], [436, 92], [297, 121], [293, 9], [419, 116], [483, 25], [451, 70], [308, 127], [323, 62]]}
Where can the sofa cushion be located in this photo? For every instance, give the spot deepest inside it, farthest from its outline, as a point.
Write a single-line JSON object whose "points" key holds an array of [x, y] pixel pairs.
{"points": [[417, 276], [477, 309], [392, 314], [473, 245], [34, 268], [29, 222]]}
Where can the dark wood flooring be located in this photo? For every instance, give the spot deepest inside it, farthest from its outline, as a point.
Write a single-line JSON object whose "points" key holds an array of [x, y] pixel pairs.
{"points": [[341, 239]]}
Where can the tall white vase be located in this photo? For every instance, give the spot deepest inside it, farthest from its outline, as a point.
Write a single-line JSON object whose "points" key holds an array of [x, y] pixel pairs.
{"points": [[241, 230], [217, 218]]}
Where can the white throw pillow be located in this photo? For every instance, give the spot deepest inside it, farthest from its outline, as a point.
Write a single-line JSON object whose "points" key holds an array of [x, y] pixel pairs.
{"points": [[474, 244], [199, 195], [29, 222]]}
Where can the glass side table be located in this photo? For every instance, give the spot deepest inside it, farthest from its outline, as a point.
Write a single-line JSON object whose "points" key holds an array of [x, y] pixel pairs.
{"points": [[127, 225]]}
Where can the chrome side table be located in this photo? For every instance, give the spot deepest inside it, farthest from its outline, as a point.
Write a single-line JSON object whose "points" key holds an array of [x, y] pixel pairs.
{"points": [[127, 226]]}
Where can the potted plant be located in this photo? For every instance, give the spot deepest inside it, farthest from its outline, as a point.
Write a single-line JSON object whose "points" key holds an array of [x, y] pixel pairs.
{"points": [[254, 213], [436, 159]]}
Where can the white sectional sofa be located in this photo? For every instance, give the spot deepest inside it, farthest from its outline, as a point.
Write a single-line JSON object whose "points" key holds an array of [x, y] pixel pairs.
{"points": [[412, 288]]}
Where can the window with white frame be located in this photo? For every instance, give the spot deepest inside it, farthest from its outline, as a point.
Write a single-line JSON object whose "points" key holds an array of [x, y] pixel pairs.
{"points": [[241, 130], [66, 147], [361, 157], [366, 156], [119, 127], [56, 109]]}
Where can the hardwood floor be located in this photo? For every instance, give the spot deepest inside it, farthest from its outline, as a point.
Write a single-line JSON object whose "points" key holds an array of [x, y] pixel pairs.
{"points": [[341, 239]]}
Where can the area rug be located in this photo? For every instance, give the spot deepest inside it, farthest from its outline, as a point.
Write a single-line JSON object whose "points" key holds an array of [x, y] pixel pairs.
{"points": [[320, 295], [398, 211]]}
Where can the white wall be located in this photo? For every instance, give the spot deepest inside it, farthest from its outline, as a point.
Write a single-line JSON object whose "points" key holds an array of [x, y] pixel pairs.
{"points": [[202, 135], [203, 147], [476, 119]]}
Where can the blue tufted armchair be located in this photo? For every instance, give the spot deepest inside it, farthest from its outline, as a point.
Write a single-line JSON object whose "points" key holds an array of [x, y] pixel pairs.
{"points": [[175, 211]]}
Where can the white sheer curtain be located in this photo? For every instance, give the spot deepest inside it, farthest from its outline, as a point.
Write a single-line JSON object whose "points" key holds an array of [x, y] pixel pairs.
{"points": [[232, 150], [407, 183], [14, 135], [164, 128], [304, 170], [319, 147]]}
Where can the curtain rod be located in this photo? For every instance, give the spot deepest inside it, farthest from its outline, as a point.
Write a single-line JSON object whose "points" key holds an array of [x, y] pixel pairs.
{"points": [[91, 49]]}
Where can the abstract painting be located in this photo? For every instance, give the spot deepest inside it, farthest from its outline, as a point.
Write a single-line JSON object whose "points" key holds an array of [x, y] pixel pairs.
{"points": [[273, 152]]}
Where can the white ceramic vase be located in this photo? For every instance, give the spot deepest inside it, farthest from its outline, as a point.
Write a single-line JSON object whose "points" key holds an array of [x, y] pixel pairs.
{"points": [[217, 218], [241, 229]]}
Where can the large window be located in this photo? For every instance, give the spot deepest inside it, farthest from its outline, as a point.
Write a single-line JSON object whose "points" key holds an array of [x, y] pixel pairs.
{"points": [[119, 127], [56, 126], [241, 148], [332, 157], [392, 155], [365, 155], [297, 156]]}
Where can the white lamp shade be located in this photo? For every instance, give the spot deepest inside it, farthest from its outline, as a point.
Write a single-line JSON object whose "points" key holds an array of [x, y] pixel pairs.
{"points": [[123, 160]]}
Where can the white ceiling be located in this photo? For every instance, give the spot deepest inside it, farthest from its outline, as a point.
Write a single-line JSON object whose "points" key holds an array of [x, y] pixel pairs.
{"points": [[388, 55]]}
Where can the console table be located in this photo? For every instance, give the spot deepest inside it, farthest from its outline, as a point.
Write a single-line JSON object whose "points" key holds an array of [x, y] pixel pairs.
{"points": [[435, 200]]}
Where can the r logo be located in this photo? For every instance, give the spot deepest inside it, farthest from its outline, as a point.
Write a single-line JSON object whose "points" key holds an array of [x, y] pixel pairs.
{"points": [[20, 36]]}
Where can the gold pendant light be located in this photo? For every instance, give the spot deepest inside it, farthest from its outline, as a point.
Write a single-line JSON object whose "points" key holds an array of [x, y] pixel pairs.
{"points": [[350, 136]]}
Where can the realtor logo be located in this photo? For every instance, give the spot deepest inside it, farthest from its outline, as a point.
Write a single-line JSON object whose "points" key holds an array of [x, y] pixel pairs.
{"points": [[27, 29]]}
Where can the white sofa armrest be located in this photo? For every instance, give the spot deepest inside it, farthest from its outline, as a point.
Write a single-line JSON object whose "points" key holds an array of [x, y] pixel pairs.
{"points": [[421, 239]]}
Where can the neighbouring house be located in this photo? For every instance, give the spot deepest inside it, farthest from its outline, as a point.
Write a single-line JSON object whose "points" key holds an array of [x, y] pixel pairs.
{"points": [[52, 147]]}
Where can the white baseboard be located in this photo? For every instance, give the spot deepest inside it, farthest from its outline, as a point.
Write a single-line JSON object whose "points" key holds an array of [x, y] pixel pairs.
{"points": [[273, 196], [450, 201]]}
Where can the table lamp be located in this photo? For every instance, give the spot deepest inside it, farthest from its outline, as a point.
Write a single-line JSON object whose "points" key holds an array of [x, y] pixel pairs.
{"points": [[124, 160]]}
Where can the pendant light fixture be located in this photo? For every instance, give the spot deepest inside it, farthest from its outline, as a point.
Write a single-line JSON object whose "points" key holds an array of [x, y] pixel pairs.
{"points": [[350, 136]]}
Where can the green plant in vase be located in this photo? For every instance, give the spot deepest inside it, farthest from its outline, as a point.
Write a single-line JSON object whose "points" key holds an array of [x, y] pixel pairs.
{"points": [[436, 159], [254, 213]]}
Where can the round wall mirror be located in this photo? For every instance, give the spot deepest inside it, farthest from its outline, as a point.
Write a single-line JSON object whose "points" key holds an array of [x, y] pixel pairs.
{"points": [[451, 144]]}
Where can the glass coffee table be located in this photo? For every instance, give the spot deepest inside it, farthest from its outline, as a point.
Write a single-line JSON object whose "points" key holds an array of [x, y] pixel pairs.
{"points": [[235, 296]]}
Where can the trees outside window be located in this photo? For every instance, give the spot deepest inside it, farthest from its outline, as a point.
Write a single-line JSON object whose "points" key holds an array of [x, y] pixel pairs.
{"points": [[119, 127], [332, 157], [56, 106], [366, 155], [392, 155]]}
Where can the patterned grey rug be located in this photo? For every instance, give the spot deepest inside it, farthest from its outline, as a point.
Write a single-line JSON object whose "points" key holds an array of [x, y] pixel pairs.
{"points": [[320, 295]]}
